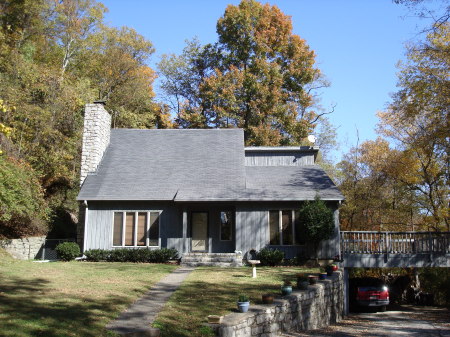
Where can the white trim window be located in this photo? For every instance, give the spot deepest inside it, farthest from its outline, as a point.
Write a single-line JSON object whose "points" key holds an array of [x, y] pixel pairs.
{"points": [[226, 225], [285, 228], [136, 229]]}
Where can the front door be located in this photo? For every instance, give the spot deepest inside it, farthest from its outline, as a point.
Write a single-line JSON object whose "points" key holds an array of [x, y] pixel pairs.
{"points": [[199, 231]]}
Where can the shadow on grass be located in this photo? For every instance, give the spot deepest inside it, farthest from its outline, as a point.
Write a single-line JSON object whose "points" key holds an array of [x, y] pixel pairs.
{"points": [[29, 307], [187, 310]]}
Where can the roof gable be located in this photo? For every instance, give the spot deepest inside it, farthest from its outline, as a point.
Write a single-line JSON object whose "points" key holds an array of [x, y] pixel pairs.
{"points": [[155, 164]]}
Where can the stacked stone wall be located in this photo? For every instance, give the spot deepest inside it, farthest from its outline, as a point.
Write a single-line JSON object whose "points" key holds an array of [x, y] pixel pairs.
{"points": [[319, 306], [25, 248], [96, 134]]}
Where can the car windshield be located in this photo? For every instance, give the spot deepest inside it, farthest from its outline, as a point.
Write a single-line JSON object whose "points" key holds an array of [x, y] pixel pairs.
{"points": [[370, 288]]}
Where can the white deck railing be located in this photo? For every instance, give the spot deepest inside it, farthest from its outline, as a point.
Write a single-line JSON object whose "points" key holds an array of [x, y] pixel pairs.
{"points": [[395, 242]]}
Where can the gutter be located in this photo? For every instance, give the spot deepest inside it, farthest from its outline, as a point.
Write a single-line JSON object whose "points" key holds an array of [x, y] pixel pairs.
{"points": [[86, 215]]}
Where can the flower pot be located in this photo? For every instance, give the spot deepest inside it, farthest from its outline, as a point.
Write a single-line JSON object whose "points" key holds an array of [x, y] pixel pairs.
{"points": [[214, 319], [243, 306], [322, 276], [286, 290], [302, 284], [330, 269], [312, 279], [267, 298]]}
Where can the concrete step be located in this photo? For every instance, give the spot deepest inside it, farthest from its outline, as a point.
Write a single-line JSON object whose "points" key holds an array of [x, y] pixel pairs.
{"points": [[211, 264], [212, 259], [208, 259]]}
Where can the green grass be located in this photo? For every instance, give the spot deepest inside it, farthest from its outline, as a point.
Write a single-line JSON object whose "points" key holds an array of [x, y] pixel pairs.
{"points": [[214, 291], [69, 298]]}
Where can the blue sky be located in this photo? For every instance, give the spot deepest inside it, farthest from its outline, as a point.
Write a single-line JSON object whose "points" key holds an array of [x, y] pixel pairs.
{"points": [[357, 42]]}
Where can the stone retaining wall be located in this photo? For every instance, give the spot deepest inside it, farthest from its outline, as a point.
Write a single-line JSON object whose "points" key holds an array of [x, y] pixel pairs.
{"points": [[25, 248], [319, 306]]}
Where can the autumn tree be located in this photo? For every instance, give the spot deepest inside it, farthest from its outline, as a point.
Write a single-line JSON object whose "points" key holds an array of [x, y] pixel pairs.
{"points": [[116, 63], [418, 120], [56, 56], [403, 178], [374, 199], [259, 76], [72, 24], [424, 9]]}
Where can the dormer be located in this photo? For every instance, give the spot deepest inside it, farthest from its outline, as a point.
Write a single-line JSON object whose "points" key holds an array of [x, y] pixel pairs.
{"points": [[281, 155]]}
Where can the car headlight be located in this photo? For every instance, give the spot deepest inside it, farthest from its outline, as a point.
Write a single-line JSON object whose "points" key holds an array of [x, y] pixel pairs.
{"points": [[385, 288]]}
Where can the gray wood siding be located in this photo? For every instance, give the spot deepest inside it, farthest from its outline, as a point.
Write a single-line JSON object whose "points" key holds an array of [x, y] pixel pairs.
{"points": [[251, 226], [252, 231], [98, 233], [100, 218], [279, 158]]}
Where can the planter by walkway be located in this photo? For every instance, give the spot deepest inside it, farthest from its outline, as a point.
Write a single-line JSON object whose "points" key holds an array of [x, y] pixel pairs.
{"points": [[319, 306]]}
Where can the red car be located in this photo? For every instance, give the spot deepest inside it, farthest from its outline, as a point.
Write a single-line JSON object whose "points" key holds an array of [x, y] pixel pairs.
{"points": [[369, 292]]}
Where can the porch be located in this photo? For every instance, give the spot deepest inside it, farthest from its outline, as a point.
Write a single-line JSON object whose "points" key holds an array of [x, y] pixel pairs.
{"points": [[395, 249], [208, 232]]}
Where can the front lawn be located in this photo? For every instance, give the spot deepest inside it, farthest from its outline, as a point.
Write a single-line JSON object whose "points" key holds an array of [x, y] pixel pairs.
{"points": [[214, 291], [69, 298]]}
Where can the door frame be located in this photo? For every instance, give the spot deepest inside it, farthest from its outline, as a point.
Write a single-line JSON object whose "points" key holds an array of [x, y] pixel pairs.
{"points": [[207, 233]]}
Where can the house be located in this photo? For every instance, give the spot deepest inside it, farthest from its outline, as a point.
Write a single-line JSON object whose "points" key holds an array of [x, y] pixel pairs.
{"points": [[198, 191]]}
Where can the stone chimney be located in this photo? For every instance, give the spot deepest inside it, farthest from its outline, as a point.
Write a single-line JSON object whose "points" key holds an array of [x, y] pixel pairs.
{"points": [[97, 130]]}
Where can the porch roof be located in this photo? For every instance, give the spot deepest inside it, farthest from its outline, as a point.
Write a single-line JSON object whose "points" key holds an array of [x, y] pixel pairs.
{"points": [[272, 183]]}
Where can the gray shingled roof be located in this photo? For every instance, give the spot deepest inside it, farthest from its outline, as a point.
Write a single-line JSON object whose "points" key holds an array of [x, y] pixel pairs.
{"points": [[272, 183], [155, 164], [291, 183], [196, 165]]}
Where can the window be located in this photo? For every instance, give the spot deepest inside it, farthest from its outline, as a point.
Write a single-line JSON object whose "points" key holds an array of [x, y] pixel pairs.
{"points": [[226, 225], [153, 233], [300, 232], [130, 229], [285, 228], [117, 232], [274, 224], [142, 229], [136, 229]]}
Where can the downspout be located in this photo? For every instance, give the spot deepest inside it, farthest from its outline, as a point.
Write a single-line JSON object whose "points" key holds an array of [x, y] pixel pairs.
{"points": [[86, 214]]}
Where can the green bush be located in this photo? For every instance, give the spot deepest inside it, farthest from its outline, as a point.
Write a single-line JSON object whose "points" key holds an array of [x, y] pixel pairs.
{"points": [[119, 255], [437, 282], [96, 255], [68, 251], [318, 221], [270, 257], [141, 255], [23, 209], [164, 255]]}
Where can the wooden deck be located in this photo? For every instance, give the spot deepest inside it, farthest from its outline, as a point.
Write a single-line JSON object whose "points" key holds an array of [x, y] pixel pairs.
{"points": [[395, 249]]}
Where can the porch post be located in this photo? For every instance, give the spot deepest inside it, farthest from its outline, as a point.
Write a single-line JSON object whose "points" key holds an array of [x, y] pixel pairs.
{"points": [[346, 292], [185, 240]]}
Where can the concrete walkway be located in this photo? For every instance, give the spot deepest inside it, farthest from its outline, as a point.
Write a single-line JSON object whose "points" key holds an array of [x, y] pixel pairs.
{"points": [[136, 320], [407, 320]]}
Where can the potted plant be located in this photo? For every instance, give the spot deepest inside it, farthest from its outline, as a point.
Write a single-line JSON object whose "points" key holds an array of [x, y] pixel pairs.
{"points": [[286, 288], [302, 282], [330, 269], [322, 276], [312, 279], [215, 319], [267, 298], [243, 303]]}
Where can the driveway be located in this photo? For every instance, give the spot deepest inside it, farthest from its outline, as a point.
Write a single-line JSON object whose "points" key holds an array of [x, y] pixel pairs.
{"points": [[401, 321]]}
